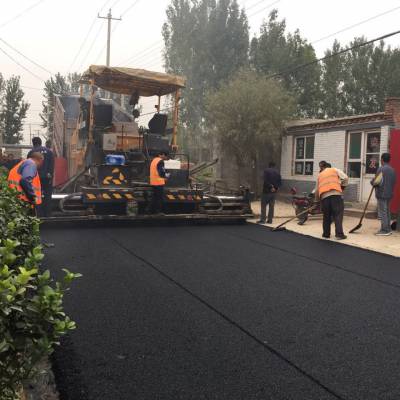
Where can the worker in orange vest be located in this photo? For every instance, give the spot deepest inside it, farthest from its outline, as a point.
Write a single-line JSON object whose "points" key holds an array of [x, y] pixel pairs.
{"points": [[25, 179], [330, 184], [158, 179]]}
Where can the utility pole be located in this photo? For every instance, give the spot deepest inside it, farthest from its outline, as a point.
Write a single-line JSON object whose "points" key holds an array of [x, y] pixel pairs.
{"points": [[109, 18]]}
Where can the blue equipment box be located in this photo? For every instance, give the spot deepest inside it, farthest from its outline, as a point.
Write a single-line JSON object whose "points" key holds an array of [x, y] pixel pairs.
{"points": [[115, 159]]}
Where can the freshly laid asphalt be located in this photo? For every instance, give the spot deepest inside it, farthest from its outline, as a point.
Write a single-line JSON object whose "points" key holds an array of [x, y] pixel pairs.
{"points": [[225, 312]]}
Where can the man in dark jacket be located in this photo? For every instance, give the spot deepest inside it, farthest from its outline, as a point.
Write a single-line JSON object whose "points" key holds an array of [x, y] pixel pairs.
{"points": [[46, 172], [384, 183], [272, 183]]}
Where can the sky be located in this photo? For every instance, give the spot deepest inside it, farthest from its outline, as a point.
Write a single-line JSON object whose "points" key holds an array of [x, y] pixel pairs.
{"points": [[52, 34]]}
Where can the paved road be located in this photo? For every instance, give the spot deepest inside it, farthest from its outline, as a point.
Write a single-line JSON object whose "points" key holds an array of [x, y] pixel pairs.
{"points": [[225, 312]]}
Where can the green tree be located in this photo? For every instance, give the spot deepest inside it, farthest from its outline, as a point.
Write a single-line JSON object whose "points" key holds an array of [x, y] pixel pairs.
{"points": [[207, 41], [57, 85], [13, 110], [358, 81], [247, 116], [275, 51]]}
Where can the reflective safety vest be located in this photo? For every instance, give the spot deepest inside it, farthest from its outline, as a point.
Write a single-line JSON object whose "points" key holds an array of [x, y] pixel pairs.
{"points": [[155, 178], [14, 182], [329, 180]]}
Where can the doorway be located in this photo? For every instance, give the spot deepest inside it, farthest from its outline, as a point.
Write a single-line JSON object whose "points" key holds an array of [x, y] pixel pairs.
{"points": [[363, 161]]}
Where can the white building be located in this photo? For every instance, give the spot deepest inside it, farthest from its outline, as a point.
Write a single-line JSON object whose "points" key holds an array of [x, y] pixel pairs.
{"points": [[353, 144]]}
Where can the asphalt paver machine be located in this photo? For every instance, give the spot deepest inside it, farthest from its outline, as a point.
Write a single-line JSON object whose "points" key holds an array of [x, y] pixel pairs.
{"points": [[110, 160]]}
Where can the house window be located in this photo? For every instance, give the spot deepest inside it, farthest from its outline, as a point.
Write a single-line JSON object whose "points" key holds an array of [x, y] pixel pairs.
{"points": [[354, 163], [304, 157]]}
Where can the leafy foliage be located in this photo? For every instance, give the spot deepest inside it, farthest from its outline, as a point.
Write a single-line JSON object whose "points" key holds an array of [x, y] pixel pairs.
{"points": [[247, 116], [207, 41], [275, 51], [32, 319], [13, 110]]}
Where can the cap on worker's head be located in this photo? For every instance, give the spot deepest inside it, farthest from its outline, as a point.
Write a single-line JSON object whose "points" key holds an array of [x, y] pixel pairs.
{"points": [[36, 156], [36, 141]]}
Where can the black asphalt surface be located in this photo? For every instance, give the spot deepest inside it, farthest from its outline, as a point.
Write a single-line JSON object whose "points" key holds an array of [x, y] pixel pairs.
{"points": [[225, 312]]}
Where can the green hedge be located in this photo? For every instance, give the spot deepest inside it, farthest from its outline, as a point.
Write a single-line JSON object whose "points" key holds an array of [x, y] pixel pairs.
{"points": [[32, 319]]}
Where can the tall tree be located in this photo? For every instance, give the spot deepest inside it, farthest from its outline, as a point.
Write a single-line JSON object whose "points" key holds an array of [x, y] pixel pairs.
{"points": [[358, 81], [247, 116], [57, 85], [275, 51], [207, 41], [13, 111]]}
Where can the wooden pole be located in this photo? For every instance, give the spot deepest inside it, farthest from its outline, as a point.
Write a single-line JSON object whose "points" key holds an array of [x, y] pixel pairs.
{"points": [[176, 117]]}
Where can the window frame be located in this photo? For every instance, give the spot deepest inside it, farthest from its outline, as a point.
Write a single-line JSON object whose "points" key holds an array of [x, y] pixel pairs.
{"points": [[303, 160]]}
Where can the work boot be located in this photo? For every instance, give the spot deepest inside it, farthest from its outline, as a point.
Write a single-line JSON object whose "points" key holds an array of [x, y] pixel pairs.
{"points": [[326, 236], [260, 222], [341, 237]]}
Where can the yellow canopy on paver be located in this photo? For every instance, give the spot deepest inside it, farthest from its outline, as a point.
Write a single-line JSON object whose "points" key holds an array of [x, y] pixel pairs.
{"points": [[129, 80]]}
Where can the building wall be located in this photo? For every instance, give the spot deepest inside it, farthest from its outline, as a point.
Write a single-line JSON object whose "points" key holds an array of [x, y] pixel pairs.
{"points": [[331, 147], [287, 157]]}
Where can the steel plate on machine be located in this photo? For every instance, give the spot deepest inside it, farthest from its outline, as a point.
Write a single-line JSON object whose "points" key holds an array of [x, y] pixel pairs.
{"points": [[113, 175], [104, 195]]}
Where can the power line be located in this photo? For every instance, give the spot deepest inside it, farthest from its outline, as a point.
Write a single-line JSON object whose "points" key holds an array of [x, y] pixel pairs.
{"points": [[357, 24], [115, 28], [263, 9], [26, 57], [130, 8], [255, 5], [19, 64], [87, 36], [355, 47], [91, 46], [141, 53], [31, 88], [21, 13]]}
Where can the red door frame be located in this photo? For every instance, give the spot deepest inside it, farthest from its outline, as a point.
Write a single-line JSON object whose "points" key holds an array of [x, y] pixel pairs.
{"points": [[395, 163]]}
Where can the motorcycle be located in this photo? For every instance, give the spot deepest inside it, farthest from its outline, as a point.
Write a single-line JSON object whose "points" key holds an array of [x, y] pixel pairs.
{"points": [[303, 202]]}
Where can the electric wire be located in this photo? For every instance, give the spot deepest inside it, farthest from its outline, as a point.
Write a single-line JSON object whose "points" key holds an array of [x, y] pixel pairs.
{"points": [[355, 47], [264, 9], [20, 65], [87, 36], [357, 24], [26, 57], [21, 13]]}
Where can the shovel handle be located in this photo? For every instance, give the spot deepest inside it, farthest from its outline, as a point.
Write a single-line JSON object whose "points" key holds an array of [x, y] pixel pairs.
{"points": [[296, 216]]}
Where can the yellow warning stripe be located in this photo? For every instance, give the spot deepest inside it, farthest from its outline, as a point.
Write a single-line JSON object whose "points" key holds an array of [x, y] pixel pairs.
{"points": [[129, 196], [117, 196]]}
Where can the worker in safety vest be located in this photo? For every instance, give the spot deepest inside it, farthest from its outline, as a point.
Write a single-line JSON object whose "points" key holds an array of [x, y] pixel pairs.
{"points": [[25, 178], [158, 179], [330, 185]]}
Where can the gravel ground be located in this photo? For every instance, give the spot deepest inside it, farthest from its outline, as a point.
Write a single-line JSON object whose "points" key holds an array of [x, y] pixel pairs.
{"points": [[225, 312]]}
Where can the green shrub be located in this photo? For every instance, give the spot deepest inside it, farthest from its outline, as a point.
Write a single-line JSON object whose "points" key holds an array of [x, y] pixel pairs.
{"points": [[32, 319]]}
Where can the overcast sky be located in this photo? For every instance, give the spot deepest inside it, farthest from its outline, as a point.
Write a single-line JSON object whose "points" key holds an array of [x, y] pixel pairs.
{"points": [[51, 32]]}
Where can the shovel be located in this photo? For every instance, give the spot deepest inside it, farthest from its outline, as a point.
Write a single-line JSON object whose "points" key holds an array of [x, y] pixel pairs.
{"points": [[356, 228], [281, 226]]}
